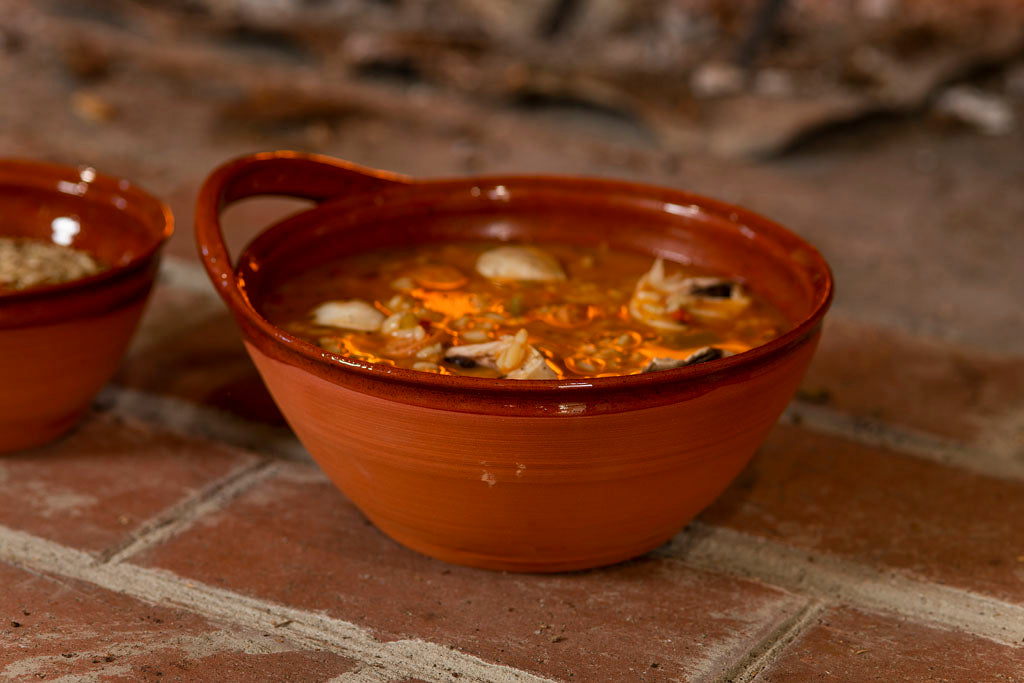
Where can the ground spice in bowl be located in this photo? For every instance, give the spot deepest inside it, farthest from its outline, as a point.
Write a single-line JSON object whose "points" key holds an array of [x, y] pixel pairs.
{"points": [[26, 263]]}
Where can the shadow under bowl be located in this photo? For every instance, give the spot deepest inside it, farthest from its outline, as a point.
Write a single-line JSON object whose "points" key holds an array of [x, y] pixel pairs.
{"points": [[546, 475], [59, 344]]}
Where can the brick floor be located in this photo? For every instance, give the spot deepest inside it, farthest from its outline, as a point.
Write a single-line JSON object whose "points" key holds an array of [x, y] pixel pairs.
{"points": [[59, 628], [827, 494], [179, 533], [845, 644], [902, 380], [191, 350], [87, 492], [614, 622]]}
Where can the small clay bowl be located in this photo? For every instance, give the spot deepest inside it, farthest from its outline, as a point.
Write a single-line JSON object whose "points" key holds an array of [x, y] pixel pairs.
{"points": [[542, 475], [59, 344]]}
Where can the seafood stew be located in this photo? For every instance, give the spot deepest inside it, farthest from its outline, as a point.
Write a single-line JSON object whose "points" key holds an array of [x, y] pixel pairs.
{"points": [[521, 311]]}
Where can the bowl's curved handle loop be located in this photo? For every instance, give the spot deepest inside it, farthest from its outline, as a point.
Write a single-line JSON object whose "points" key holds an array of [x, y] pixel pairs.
{"points": [[291, 174]]}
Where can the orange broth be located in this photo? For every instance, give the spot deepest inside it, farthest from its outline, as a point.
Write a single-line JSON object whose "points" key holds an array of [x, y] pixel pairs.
{"points": [[583, 325]]}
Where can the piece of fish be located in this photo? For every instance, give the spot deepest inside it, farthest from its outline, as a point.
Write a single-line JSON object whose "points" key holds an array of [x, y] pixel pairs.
{"points": [[519, 263], [511, 355], [354, 314]]}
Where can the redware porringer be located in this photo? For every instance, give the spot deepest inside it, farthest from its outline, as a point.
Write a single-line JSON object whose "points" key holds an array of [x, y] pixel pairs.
{"points": [[534, 475], [60, 343]]}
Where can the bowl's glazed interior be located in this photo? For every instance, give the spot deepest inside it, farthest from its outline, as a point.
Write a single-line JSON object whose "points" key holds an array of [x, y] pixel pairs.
{"points": [[541, 475], [570, 211], [776, 264], [60, 343], [78, 207]]}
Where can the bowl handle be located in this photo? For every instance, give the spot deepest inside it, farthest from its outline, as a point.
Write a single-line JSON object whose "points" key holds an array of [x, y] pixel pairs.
{"points": [[291, 174]]}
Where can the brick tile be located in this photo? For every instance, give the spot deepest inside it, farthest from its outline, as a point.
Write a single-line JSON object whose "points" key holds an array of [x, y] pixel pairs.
{"points": [[650, 619], [883, 509], [849, 645], [73, 629], [911, 382], [296, 665], [189, 347], [100, 483]]}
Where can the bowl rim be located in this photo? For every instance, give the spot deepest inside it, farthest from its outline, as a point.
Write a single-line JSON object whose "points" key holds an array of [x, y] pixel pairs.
{"points": [[396, 186], [46, 176]]}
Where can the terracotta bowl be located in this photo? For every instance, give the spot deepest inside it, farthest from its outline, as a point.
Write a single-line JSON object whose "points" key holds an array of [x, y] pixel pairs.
{"points": [[542, 475], [59, 344]]}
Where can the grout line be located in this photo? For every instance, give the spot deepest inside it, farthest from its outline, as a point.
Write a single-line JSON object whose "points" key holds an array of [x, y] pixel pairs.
{"points": [[829, 578], [769, 648], [908, 441], [181, 516], [364, 674], [199, 421], [311, 630]]}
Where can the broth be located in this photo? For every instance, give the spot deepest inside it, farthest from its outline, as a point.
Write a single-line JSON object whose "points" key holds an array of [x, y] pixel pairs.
{"points": [[537, 311]]}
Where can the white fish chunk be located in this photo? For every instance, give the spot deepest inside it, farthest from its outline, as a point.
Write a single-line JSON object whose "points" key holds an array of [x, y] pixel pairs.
{"points": [[354, 314], [519, 263], [511, 355]]}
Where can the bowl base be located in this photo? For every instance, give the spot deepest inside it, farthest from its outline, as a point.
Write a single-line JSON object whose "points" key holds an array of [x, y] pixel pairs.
{"points": [[532, 565], [26, 434]]}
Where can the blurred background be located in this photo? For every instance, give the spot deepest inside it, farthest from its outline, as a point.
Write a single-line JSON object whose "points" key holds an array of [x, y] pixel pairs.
{"points": [[888, 132]]}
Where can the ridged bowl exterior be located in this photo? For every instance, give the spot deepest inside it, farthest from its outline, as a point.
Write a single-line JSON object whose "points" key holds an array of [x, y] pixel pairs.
{"points": [[525, 493]]}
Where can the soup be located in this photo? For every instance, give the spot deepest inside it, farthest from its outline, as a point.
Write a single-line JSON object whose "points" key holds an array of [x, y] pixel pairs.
{"points": [[521, 311], [27, 263]]}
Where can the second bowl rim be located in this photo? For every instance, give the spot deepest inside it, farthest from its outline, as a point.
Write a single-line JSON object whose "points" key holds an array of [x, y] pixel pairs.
{"points": [[67, 172]]}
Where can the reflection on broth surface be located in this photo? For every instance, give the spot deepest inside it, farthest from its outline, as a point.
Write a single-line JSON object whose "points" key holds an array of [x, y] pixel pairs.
{"points": [[538, 311]]}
